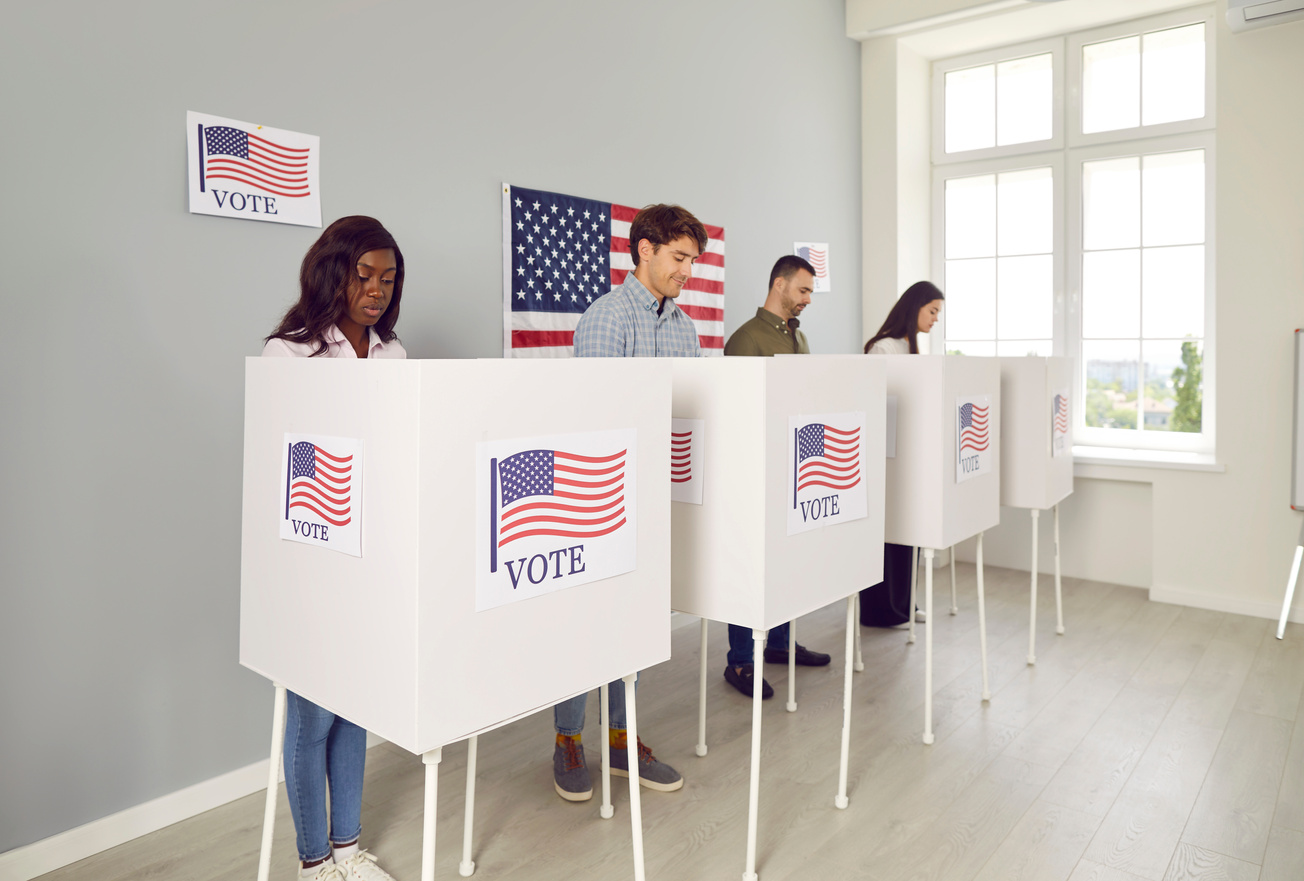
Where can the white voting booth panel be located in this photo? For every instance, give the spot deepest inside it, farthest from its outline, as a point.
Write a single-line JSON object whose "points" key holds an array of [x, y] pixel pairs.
{"points": [[733, 559], [926, 506], [1032, 476], [392, 640]]}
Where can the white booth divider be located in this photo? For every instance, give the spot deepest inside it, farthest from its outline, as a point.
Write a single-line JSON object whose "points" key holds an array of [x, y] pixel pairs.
{"points": [[1037, 456], [420, 657], [928, 505], [748, 553]]}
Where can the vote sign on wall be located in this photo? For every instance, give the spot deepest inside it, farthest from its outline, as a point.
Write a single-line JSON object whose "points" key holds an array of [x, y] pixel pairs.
{"points": [[826, 470], [973, 437], [553, 513], [321, 492]]}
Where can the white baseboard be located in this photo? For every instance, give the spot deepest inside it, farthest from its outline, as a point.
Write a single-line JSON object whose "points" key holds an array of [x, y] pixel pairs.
{"points": [[57, 851], [1178, 597]]}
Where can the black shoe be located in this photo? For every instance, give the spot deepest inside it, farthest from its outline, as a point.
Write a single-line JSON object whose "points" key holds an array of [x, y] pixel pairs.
{"points": [[805, 657], [745, 681]]}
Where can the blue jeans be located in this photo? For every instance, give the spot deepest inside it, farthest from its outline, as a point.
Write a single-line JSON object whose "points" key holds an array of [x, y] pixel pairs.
{"points": [[322, 747], [741, 647], [568, 716]]}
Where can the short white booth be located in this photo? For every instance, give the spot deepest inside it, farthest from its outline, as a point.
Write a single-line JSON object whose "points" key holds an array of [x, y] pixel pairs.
{"points": [[1037, 456], [943, 471], [451, 627], [788, 455]]}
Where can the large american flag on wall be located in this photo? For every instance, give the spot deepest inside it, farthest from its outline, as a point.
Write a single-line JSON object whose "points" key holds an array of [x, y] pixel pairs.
{"points": [[560, 253]]}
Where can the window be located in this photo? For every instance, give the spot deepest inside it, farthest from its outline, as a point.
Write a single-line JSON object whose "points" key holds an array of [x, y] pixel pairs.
{"points": [[1072, 185]]}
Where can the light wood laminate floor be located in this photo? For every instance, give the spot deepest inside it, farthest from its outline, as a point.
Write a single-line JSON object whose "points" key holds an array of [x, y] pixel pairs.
{"points": [[1149, 742]]}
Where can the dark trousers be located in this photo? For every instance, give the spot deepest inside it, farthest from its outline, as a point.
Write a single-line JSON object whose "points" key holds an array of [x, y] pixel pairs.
{"points": [[887, 603], [741, 646]]}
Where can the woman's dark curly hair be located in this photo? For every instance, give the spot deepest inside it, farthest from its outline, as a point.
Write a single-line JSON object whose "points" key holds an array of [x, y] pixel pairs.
{"points": [[329, 269]]}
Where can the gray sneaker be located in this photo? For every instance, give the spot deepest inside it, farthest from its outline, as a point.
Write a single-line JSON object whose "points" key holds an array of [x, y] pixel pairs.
{"points": [[570, 773], [652, 773]]}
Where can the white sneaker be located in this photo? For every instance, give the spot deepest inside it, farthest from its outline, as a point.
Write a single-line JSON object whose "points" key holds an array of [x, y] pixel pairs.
{"points": [[327, 872], [362, 866], [921, 617]]}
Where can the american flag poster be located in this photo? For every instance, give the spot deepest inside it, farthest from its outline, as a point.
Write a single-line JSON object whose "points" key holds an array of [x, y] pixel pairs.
{"points": [[560, 253], [826, 470], [973, 437], [817, 255], [1060, 445], [554, 512], [252, 172], [321, 492], [686, 445]]}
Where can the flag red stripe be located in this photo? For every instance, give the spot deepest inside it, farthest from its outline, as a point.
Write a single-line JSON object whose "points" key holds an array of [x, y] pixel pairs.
{"points": [[331, 521], [565, 521], [592, 472], [588, 497], [702, 313], [705, 285], [303, 493], [575, 457], [254, 137], [845, 432], [623, 212], [525, 339], [573, 509], [223, 164], [335, 495], [586, 484], [680, 479], [269, 160], [802, 486], [560, 533], [711, 342], [261, 186], [681, 434], [710, 258], [321, 452]]}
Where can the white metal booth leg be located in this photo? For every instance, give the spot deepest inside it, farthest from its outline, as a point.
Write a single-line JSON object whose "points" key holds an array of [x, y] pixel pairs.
{"points": [[273, 775], [701, 697], [754, 792], [604, 706], [467, 867], [840, 801], [928, 643], [431, 760], [792, 666], [914, 589], [1059, 597], [1032, 602], [635, 804], [1290, 586], [950, 557], [860, 662], [982, 620]]}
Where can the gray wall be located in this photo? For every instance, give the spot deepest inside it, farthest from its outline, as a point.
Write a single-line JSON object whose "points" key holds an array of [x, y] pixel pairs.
{"points": [[119, 526]]}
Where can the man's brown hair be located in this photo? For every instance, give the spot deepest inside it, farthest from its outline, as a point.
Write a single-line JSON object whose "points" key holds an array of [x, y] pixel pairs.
{"points": [[662, 224]]}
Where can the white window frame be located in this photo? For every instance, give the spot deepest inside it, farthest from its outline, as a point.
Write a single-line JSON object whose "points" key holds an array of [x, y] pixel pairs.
{"points": [[1076, 137], [1054, 46], [1053, 160], [1140, 439]]}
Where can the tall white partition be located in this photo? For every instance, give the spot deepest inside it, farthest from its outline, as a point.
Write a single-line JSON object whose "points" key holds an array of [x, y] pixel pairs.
{"points": [[733, 559], [422, 667], [943, 480], [1036, 458]]}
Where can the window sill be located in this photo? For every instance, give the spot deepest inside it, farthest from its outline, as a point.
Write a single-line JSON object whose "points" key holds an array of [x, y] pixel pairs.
{"points": [[1127, 458]]}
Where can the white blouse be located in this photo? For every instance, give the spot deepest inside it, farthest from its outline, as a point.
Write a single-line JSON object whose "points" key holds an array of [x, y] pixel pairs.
{"points": [[890, 346]]}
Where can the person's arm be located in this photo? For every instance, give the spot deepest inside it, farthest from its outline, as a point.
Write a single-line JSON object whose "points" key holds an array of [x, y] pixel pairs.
{"points": [[601, 333], [742, 343]]}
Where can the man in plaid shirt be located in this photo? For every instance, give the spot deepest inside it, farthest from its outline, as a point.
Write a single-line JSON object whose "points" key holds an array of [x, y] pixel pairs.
{"points": [[639, 319]]}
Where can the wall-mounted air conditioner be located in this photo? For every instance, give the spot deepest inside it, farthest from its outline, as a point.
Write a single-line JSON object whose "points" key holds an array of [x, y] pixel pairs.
{"points": [[1245, 14]]}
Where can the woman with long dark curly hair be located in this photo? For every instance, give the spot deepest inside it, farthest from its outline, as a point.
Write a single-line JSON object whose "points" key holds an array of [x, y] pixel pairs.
{"points": [[350, 285]]}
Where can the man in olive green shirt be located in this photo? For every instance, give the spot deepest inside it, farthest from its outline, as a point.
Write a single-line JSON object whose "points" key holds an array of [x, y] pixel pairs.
{"points": [[774, 331]]}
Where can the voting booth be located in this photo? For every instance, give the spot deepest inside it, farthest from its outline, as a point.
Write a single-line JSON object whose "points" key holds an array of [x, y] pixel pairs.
{"points": [[1037, 455], [943, 469], [459, 515], [781, 508]]}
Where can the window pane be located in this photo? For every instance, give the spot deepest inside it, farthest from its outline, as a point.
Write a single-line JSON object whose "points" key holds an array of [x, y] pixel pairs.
{"points": [[970, 299], [1111, 294], [1111, 204], [1023, 100], [971, 108], [1174, 390], [971, 217], [1172, 292], [984, 349], [1172, 75], [1019, 348], [1172, 198], [1111, 85], [1025, 297], [1025, 212], [1111, 371]]}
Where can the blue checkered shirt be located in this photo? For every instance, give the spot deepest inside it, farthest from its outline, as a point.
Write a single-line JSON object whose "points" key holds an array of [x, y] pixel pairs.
{"points": [[624, 324]]}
